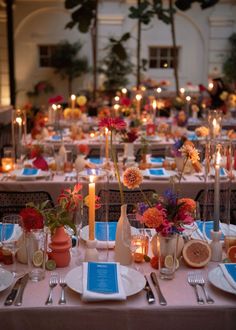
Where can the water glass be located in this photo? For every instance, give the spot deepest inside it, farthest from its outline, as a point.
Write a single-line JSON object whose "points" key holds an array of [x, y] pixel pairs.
{"points": [[10, 233], [167, 256]]}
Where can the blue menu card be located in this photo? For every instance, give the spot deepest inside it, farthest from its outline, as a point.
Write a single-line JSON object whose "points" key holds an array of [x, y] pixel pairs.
{"points": [[30, 171], [105, 231], [157, 160], [231, 268], [102, 277], [158, 171]]}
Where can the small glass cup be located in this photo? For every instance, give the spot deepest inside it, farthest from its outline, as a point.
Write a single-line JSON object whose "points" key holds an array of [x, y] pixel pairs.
{"points": [[139, 247], [229, 240], [68, 166], [167, 256]]}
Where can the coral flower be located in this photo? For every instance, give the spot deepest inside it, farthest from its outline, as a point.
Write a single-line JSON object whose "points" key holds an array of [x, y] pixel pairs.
{"points": [[189, 205], [112, 124], [190, 152], [132, 178], [153, 217]]}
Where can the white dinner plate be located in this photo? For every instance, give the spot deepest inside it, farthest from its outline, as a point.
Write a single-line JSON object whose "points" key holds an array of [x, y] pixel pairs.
{"points": [[84, 234], [156, 173], [217, 278], [6, 279], [29, 174], [152, 138], [132, 280]]}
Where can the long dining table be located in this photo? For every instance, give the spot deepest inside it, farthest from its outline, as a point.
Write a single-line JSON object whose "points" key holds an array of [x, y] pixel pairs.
{"points": [[182, 310]]}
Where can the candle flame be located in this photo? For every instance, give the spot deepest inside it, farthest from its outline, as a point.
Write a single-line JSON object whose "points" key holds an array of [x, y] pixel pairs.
{"points": [[116, 106], [218, 157], [54, 106], [91, 178], [182, 90], [124, 90], [159, 90], [19, 121], [154, 104], [138, 97], [117, 98], [73, 97]]}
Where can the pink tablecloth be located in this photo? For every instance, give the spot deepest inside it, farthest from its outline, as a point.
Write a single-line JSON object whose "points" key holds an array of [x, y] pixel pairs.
{"points": [[182, 311]]}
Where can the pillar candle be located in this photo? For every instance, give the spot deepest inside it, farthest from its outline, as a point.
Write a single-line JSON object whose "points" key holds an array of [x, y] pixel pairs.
{"points": [[107, 144], [91, 207], [73, 97], [138, 99], [217, 192]]}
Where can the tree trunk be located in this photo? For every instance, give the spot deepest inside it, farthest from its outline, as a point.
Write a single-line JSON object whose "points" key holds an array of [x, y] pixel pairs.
{"points": [[94, 50], [138, 50], [175, 58]]}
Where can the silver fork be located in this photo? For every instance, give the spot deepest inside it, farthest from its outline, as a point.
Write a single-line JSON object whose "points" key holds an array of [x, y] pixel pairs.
{"points": [[62, 300], [192, 282], [52, 284], [200, 281]]}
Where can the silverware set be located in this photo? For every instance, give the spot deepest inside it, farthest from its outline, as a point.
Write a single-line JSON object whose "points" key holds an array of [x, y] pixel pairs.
{"points": [[16, 294], [53, 281], [196, 280], [69, 178], [149, 293]]}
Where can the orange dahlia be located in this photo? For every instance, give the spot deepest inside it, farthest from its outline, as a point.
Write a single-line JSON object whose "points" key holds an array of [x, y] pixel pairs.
{"points": [[153, 217], [189, 205], [132, 178]]}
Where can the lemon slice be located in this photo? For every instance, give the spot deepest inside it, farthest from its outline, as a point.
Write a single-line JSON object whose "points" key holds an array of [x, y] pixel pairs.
{"points": [[176, 263], [169, 261], [38, 258], [51, 264]]}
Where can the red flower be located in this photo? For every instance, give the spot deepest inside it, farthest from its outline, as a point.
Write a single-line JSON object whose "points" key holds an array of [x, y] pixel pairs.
{"points": [[112, 124], [83, 149], [31, 219], [69, 199]]}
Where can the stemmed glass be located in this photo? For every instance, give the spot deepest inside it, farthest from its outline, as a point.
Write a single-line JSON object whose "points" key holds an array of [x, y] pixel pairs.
{"points": [[10, 234], [78, 220]]}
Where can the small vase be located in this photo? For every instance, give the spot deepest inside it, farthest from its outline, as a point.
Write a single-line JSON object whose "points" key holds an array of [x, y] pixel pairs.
{"points": [[180, 161], [129, 151], [167, 256], [60, 245], [123, 239], [80, 163], [155, 245]]}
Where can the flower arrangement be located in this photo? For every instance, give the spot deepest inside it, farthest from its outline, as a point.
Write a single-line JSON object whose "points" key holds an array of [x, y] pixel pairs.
{"points": [[129, 136], [189, 152], [114, 125], [32, 219], [177, 145], [83, 149], [167, 214], [202, 131]]}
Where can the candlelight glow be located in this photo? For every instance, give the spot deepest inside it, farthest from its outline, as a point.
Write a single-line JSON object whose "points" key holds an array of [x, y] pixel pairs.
{"points": [[188, 98], [210, 85], [159, 90], [218, 157], [19, 121], [154, 104], [54, 106], [182, 90], [73, 97], [116, 106], [138, 97], [124, 90], [91, 178], [117, 98]]}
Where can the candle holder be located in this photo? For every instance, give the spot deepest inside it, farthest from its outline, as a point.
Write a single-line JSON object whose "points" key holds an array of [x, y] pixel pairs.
{"points": [[18, 131], [214, 122], [216, 246], [94, 207]]}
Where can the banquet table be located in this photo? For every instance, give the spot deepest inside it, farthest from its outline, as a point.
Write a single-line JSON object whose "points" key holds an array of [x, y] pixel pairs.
{"points": [[182, 310], [189, 187]]}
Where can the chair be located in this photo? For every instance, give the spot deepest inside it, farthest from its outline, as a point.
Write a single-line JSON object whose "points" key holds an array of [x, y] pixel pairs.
{"points": [[209, 205], [114, 202], [14, 201]]}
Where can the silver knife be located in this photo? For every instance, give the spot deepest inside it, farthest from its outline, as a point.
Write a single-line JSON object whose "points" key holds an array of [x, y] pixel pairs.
{"points": [[12, 295], [149, 292], [19, 297], [162, 300]]}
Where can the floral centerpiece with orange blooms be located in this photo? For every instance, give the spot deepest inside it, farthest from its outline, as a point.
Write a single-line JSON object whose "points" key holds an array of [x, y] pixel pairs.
{"points": [[114, 125], [189, 152], [167, 214], [202, 131]]}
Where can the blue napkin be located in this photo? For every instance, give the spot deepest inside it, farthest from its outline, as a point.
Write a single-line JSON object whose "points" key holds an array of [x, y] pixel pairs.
{"points": [[56, 137], [30, 171], [104, 230], [205, 228], [97, 161], [158, 171], [157, 160], [9, 230], [229, 271]]}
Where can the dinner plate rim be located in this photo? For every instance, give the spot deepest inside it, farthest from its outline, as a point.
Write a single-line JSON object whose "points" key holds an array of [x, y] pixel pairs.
{"points": [[76, 273], [217, 278], [11, 278]]}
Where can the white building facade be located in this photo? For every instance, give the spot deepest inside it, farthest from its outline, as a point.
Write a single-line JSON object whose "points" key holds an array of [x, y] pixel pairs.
{"points": [[202, 40]]}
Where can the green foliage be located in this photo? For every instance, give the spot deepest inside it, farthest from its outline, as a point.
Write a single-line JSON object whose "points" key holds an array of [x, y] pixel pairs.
{"points": [[229, 67], [83, 15], [116, 64], [141, 12]]}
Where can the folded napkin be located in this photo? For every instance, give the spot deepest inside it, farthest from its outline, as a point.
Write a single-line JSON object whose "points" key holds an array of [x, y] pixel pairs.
{"points": [[204, 229], [229, 271], [102, 281]]}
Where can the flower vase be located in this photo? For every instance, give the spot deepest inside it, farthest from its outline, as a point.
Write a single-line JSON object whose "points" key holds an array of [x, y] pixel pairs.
{"points": [[167, 256], [123, 239], [129, 151], [155, 245], [80, 163], [60, 246], [187, 168]]}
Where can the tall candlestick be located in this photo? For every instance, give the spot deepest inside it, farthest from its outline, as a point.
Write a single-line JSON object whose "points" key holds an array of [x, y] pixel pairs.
{"points": [[107, 144], [138, 99], [154, 107], [91, 207], [73, 97], [217, 191]]}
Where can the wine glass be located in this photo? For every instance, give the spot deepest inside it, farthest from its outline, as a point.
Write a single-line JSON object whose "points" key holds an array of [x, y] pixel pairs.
{"points": [[79, 219], [10, 234]]}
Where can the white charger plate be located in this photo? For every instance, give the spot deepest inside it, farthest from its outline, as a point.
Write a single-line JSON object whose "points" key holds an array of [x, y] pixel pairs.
{"points": [[84, 234], [132, 280], [19, 175], [159, 173], [6, 279], [217, 278], [153, 138]]}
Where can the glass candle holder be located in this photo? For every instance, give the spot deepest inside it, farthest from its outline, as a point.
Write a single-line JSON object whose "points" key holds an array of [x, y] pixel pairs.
{"points": [[7, 164], [139, 247], [214, 122]]}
